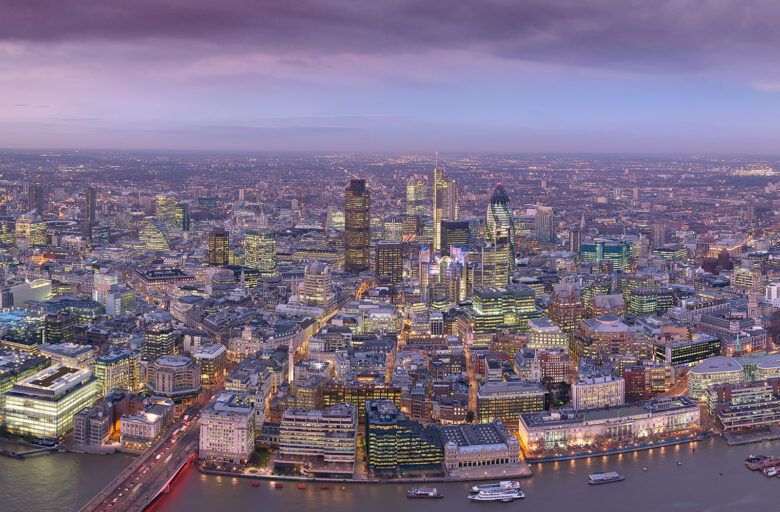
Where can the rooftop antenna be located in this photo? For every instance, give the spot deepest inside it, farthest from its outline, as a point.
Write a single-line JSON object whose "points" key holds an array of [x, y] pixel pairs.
{"points": [[437, 160]]}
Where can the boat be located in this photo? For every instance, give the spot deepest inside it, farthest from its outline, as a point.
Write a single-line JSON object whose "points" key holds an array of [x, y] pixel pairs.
{"points": [[301, 486], [644, 468], [754, 458], [604, 477], [423, 492], [506, 484], [324, 487], [504, 495], [255, 484], [679, 463], [278, 485], [771, 471]]}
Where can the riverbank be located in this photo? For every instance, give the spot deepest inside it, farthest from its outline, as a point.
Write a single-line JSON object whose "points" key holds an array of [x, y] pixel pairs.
{"points": [[519, 472], [616, 451]]}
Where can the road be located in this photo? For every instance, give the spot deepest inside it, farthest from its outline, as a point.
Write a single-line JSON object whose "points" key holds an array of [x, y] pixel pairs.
{"points": [[137, 484]]}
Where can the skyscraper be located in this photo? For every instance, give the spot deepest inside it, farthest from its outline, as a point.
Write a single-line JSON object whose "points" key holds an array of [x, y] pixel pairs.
{"points": [[35, 198], [219, 248], [416, 195], [182, 216], [260, 251], [165, 209], [454, 233], [90, 204], [445, 203], [357, 227], [499, 224], [389, 260], [544, 224]]}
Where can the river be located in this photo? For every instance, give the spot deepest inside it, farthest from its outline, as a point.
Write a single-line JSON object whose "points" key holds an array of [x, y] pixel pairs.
{"points": [[695, 485]]}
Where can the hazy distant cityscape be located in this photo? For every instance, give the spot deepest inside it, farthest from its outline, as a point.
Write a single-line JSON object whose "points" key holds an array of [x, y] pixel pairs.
{"points": [[303, 318]]}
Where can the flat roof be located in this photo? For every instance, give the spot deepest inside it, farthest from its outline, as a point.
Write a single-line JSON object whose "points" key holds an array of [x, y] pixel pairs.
{"points": [[717, 364]]}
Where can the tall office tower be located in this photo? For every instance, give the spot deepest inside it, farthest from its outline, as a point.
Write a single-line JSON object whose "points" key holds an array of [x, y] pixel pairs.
{"points": [[357, 227], [165, 209], [659, 235], [544, 224], [499, 222], [182, 216], [260, 251], [445, 203], [35, 198], [454, 233], [497, 262], [316, 284], [416, 195], [425, 270], [575, 239], [411, 227], [90, 204], [219, 248], [390, 260]]}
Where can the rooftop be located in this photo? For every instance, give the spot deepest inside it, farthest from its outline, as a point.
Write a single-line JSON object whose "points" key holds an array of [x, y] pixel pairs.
{"points": [[717, 364]]}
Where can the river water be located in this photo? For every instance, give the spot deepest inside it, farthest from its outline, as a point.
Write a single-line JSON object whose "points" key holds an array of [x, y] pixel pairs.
{"points": [[64, 481]]}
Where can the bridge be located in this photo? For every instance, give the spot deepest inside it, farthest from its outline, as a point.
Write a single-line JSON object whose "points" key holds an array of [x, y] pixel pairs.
{"points": [[149, 475]]}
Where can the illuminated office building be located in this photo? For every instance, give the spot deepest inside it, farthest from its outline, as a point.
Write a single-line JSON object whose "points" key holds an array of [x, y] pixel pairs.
{"points": [[416, 195], [43, 404], [445, 203], [393, 441], [454, 234], [317, 285], [165, 209], [182, 217], [118, 368], [499, 225], [227, 429], [219, 248], [260, 251], [357, 227], [159, 339], [154, 235], [389, 260]]}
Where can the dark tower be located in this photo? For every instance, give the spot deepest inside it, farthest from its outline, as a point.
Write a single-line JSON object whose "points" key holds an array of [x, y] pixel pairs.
{"points": [[357, 227]]}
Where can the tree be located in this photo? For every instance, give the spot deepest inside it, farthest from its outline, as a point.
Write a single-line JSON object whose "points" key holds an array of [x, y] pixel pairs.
{"points": [[469, 416]]}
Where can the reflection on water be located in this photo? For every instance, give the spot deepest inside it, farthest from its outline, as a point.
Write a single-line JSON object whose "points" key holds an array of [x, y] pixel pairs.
{"points": [[55, 482], [694, 486], [66, 481]]}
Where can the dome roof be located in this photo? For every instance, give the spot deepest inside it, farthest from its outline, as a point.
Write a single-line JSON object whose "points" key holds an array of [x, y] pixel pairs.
{"points": [[499, 195]]}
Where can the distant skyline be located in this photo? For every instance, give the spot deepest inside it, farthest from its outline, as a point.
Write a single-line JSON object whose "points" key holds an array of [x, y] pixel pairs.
{"points": [[503, 76]]}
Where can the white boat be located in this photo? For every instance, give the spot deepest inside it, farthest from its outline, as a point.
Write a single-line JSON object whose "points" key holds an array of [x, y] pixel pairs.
{"points": [[498, 495], [604, 477], [506, 484]]}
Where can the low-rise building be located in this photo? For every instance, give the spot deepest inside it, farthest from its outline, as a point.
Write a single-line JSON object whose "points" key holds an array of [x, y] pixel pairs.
{"points": [[478, 445], [506, 400], [395, 442], [91, 426], [712, 372], [43, 404], [567, 430], [745, 405], [69, 354], [138, 431], [174, 377]]}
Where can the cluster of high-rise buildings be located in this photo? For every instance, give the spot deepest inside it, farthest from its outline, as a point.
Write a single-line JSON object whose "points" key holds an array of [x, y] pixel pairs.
{"points": [[449, 315]]}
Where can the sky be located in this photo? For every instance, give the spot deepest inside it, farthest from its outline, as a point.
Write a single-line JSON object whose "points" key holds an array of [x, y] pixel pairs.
{"points": [[648, 76]]}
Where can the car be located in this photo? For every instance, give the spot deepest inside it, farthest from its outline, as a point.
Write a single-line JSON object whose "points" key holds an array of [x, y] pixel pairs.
{"points": [[158, 456]]}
